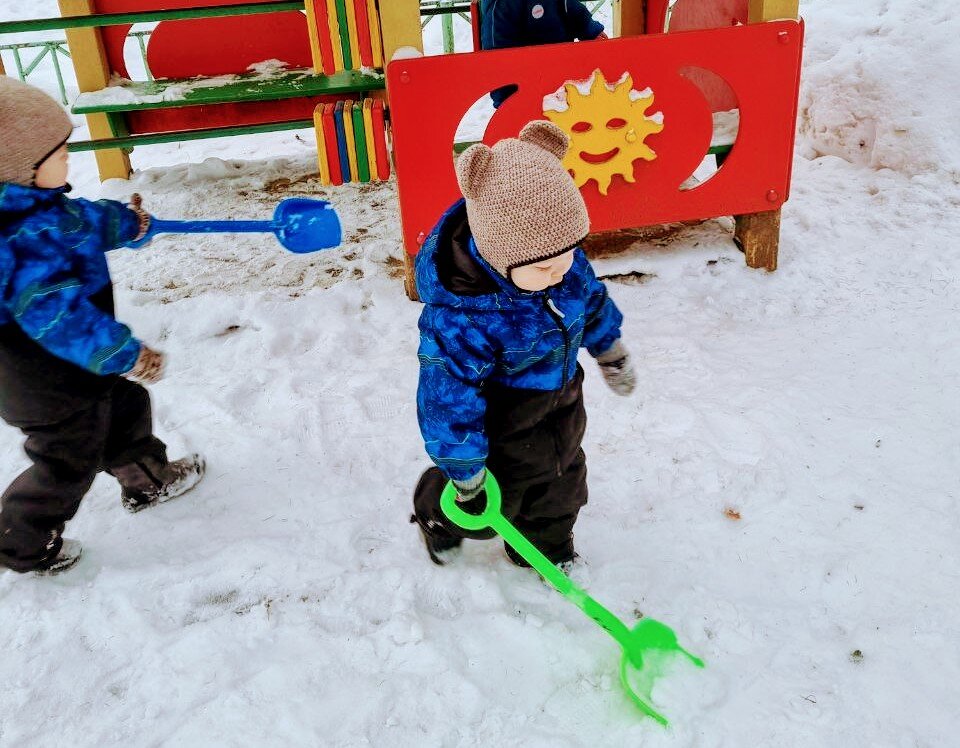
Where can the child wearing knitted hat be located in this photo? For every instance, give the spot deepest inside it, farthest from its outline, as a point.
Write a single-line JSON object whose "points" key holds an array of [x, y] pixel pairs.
{"points": [[69, 371], [509, 300]]}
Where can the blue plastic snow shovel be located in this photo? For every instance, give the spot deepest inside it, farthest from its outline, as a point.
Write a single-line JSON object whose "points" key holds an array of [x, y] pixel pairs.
{"points": [[637, 671], [300, 224]]}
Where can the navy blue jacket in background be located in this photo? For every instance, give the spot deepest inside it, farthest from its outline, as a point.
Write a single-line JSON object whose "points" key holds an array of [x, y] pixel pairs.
{"points": [[52, 262], [477, 327], [524, 23]]}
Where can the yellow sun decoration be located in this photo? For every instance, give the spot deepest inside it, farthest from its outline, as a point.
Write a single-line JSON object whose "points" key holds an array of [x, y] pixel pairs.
{"points": [[607, 126]]}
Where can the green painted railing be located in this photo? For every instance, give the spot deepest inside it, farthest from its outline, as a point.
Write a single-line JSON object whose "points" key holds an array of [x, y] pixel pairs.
{"points": [[48, 50]]}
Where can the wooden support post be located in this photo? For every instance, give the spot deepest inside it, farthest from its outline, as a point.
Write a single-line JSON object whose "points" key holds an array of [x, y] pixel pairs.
{"points": [[409, 280], [400, 26], [758, 234], [2, 71], [93, 73], [629, 17], [761, 11]]}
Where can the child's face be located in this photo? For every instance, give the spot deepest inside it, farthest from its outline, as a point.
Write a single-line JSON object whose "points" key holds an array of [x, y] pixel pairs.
{"points": [[540, 275], [52, 173]]}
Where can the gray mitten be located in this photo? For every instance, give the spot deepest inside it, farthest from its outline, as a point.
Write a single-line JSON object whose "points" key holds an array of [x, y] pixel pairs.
{"points": [[471, 487], [617, 370]]}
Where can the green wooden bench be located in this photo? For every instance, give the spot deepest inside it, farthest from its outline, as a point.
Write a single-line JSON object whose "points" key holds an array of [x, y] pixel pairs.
{"points": [[130, 96]]}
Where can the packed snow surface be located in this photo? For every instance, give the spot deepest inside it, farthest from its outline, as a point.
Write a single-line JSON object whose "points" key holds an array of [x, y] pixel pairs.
{"points": [[782, 489]]}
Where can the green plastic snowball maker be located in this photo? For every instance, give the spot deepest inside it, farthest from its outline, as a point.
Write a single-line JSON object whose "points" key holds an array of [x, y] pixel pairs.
{"points": [[638, 672]]}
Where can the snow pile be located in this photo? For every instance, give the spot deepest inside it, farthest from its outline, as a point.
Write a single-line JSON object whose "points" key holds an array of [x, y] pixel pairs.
{"points": [[881, 83]]}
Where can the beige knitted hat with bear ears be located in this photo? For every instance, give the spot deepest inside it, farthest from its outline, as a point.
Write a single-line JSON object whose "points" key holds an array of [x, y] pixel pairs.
{"points": [[32, 127], [522, 204]]}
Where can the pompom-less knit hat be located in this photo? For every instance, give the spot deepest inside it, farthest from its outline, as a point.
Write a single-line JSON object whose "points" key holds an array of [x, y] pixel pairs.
{"points": [[522, 204], [32, 126]]}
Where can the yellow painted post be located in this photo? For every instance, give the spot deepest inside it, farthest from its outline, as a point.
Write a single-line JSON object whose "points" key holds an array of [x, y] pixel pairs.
{"points": [[761, 11], [354, 36], [629, 17], [376, 40], [93, 73], [311, 12], [758, 235], [351, 141], [334, 25], [400, 26], [2, 71]]}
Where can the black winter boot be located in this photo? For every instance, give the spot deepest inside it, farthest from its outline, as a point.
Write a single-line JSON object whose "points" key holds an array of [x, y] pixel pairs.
{"points": [[150, 481], [436, 538], [68, 555]]}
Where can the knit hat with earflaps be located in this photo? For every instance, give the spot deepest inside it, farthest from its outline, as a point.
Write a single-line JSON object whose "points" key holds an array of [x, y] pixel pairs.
{"points": [[522, 204], [32, 127]]}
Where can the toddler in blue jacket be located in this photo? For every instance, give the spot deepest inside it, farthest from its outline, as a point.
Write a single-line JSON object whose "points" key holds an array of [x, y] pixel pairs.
{"points": [[509, 301], [69, 371], [525, 23]]}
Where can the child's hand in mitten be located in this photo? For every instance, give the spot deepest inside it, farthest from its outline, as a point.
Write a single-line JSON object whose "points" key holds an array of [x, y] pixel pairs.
{"points": [[149, 366], [145, 234], [617, 370]]}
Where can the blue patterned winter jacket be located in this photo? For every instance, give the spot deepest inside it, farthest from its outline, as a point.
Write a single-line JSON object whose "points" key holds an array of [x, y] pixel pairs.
{"points": [[477, 327], [51, 262]]}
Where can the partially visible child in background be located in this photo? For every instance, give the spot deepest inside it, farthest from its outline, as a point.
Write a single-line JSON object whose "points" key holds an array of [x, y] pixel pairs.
{"points": [[69, 371], [509, 300], [526, 23]]}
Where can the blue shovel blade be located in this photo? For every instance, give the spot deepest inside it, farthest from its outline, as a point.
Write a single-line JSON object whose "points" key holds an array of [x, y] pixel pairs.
{"points": [[303, 225]]}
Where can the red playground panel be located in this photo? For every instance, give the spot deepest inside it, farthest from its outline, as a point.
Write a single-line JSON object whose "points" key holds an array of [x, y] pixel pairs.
{"points": [[760, 62]]}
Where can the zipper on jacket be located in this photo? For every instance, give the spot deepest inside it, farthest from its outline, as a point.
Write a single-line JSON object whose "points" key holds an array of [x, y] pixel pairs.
{"points": [[558, 316]]}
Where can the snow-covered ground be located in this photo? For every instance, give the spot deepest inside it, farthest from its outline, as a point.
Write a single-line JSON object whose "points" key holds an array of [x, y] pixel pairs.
{"points": [[782, 490]]}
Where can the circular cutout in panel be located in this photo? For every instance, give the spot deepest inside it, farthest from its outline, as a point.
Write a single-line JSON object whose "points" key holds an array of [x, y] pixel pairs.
{"points": [[726, 123]]}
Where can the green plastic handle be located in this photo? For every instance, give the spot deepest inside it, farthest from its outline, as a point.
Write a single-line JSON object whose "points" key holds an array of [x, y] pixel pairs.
{"points": [[647, 635], [492, 516]]}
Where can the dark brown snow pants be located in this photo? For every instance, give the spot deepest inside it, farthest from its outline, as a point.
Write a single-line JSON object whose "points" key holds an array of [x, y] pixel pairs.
{"points": [[69, 441], [535, 454]]}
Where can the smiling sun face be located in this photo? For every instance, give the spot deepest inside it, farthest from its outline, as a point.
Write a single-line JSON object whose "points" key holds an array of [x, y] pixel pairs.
{"points": [[607, 125]]}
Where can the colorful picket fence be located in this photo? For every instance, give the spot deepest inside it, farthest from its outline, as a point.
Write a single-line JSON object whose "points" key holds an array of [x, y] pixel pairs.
{"points": [[352, 142], [344, 35]]}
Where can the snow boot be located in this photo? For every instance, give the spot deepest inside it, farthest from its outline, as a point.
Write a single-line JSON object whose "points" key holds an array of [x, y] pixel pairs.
{"points": [[68, 555], [439, 543], [150, 482]]}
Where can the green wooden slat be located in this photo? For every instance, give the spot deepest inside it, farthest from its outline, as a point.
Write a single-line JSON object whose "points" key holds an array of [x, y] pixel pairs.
{"points": [[120, 19], [182, 135], [287, 85], [341, 12], [360, 139]]}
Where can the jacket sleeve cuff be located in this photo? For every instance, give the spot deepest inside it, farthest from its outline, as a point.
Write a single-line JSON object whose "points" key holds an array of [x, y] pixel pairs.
{"points": [[594, 29], [124, 360], [615, 352], [472, 484]]}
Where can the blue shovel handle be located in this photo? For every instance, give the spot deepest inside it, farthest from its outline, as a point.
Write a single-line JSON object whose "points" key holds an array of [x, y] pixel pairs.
{"points": [[300, 224]]}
